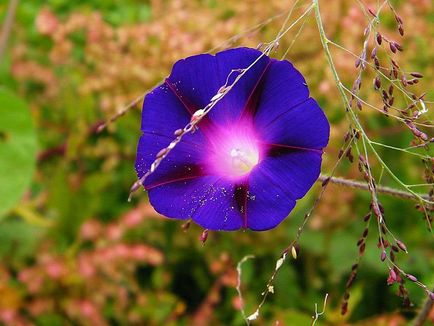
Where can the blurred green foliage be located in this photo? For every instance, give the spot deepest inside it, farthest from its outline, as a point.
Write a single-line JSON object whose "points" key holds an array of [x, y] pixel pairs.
{"points": [[17, 149], [74, 251]]}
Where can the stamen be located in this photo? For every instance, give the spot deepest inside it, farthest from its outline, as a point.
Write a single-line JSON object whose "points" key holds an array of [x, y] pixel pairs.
{"points": [[236, 151], [243, 162]]}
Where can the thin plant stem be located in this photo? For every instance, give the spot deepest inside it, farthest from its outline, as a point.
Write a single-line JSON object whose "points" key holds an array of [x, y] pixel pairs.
{"points": [[364, 186], [367, 144], [240, 295], [7, 27], [424, 312], [366, 141]]}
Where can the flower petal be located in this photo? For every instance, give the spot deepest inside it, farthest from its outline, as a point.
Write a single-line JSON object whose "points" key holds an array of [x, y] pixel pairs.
{"points": [[163, 112], [276, 183], [208, 200], [183, 162], [283, 88], [245, 94], [198, 78], [218, 208], [302, 126]]}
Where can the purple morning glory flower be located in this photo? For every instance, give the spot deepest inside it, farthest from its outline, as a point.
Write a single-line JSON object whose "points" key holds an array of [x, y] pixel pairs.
{"points": [[256, 152]]}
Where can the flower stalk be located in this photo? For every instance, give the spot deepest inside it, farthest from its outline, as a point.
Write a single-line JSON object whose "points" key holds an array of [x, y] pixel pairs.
{"points": [[365, 186]]}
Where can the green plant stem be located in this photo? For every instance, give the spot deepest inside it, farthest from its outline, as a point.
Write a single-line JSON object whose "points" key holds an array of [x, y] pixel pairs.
{"points": [[364, 186], [424, 312], [7, 26], [366, 141]]}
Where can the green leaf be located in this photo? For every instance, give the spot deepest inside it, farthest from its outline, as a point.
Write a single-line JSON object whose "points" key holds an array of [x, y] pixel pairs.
{"points": [[19, 240], [17, 149]]}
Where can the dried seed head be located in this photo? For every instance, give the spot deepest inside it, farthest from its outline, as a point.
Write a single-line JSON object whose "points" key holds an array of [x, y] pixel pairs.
{"points": [[347, 136], [401, 30], [366, 177], [406, 302], [392, 277], [379, 38], [379, 243], [344, 307], [197, 115], [204, 236], [217, 96], [374, 53], [392, 47], [411, 277], [366, 30], [401, 245], [377, 63], [294, 252], [416, 74], [350, 280], [367, 217], [423, 136], [161, 153], [377, 82], [394, 63], [326, 181], [362, 248], [357, 63], [391, 89], [223, 89], [350, 157], [276, 46], [357, 84], [398, 19], [185, 226], [391, 100], [383, 255], [392, 255]]}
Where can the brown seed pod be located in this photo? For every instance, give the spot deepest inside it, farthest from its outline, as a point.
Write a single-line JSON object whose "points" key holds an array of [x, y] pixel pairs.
{"points": [[379, 38], [377, 82]]}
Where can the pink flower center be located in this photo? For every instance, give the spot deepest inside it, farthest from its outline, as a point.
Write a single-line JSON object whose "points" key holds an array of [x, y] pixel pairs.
{"points": [[243, 160], [235, 151]]}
